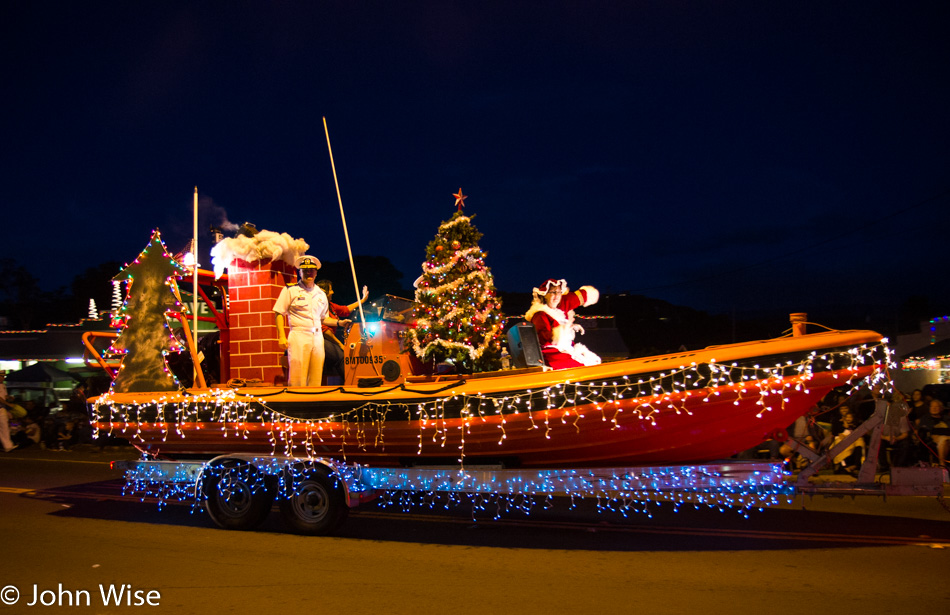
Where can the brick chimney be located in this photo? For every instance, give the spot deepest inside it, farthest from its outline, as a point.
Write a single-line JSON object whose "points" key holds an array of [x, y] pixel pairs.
{"points": [[252, 291]]}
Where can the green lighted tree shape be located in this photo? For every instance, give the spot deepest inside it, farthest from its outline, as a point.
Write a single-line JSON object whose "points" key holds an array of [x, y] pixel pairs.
{"points": [[144, 335], [458, 310]]}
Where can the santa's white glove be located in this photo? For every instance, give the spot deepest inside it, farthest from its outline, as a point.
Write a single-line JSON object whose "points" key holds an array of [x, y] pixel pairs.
{"points": [[579, 329]]}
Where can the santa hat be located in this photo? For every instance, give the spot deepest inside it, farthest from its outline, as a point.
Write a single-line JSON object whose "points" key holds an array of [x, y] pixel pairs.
{"points": [[548, 284]]}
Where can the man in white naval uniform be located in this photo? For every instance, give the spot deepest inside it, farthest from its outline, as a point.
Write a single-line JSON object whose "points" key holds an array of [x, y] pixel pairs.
{"points": [[306, 307]]}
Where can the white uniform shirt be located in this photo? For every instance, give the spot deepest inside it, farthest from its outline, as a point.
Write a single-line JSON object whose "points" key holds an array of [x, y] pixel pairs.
{"points": [[305, 309]]}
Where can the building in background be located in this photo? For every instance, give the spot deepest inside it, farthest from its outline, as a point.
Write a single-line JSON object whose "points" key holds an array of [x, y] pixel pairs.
{"points": [[924, 357]]}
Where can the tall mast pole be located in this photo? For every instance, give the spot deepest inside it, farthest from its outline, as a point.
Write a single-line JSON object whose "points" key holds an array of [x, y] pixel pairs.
{"points": [[346, 235], [194, 278]]}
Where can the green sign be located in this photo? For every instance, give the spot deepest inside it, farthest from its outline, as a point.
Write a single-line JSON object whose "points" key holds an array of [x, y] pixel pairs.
{"points": [[204, 326]]}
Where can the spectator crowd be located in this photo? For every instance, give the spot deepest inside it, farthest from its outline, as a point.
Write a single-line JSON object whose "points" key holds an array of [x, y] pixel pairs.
{"points": [[27, 423], [915, 430]]}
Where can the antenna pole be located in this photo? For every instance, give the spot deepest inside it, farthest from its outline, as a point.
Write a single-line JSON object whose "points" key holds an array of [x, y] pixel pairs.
{"points": [[346, 234]]}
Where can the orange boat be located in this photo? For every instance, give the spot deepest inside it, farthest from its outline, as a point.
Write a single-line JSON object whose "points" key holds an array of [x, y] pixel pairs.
{"points": [[686, 407]]}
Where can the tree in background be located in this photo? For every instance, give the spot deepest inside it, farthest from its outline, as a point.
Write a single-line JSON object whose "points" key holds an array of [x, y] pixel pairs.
{"points": [[94, 283], [458, 316], [23, 304], [376, 272]]}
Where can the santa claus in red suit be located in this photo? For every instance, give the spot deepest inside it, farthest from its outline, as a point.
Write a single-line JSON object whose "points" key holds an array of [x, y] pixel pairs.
{"points": [[552, 314]]}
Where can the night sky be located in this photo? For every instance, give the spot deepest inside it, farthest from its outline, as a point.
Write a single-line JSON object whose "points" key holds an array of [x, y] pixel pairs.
{"points": [[789, 156]]}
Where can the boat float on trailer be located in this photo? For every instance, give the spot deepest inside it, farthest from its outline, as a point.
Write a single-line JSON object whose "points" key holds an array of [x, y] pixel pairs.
{"points": [[630, 433], [627, 432]]}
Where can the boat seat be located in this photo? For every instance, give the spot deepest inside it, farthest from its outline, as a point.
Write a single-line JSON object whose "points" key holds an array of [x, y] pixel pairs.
{"points": [[523, 346]]}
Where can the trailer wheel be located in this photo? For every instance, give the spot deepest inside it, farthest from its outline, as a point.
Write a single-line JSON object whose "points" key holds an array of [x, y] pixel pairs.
{"points": [[236, 495], [316, 507]]}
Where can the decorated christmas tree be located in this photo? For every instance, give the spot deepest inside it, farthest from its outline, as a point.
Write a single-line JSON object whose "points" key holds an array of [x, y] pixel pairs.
{"points": [[457, 313], [144, 336]]}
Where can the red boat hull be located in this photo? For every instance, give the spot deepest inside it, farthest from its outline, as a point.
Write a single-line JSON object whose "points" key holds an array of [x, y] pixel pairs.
{"points": [[674, 424]]}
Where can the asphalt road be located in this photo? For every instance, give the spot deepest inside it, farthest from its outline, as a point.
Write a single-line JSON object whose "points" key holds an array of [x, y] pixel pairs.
{"points": [[67, 531]]}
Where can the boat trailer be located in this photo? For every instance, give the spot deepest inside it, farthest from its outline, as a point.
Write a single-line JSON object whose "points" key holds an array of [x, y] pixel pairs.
{"points": [[314, 495]]}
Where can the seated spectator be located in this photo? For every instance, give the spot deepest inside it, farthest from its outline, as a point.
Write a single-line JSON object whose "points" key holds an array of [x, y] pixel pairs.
{"points": [[918, 407], [896, 442], [27, 434], [805, 431], [849, 460], [934, 432], [50, 429], [67, 435], [836, 418]]}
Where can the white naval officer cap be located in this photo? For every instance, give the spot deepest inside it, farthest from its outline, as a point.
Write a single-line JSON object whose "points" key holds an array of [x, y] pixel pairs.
{"points": [[307, 262]]}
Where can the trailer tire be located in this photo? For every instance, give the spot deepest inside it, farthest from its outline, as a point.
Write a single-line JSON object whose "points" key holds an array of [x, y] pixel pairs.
{"points": [[317, 506], [236, 495]]}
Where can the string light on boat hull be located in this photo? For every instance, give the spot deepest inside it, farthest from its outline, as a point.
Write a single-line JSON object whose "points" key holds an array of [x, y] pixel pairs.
{"points": [[447, 423]]}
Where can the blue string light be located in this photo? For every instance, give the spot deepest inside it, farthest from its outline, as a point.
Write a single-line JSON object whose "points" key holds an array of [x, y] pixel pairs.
{"points": [[740, 486]]}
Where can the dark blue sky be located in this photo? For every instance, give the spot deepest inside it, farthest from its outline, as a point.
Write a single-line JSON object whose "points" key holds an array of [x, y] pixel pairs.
{"points": [[720, 155]]}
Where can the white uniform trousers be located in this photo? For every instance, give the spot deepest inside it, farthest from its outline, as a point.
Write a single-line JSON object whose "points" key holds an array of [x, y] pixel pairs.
{"points": [[305, 347]]}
